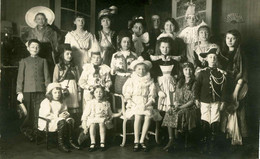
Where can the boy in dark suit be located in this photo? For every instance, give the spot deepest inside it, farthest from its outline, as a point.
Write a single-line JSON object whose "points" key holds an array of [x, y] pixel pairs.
{"points": [[32, 80]]}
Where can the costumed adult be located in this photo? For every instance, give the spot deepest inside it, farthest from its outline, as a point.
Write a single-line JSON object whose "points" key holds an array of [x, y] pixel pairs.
{"points": [[106, 37], [233, 61], [189, 34], [81, 42], [40, 18]]}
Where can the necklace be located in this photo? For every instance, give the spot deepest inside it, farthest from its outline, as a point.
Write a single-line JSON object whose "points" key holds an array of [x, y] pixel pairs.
{"points": [[218, 81]]}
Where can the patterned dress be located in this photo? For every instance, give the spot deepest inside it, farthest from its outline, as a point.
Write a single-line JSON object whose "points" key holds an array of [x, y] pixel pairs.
{"points": [[96, 112], [185, 119]]}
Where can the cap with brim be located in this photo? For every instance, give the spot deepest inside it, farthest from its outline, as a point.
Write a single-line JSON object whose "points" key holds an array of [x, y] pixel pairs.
{"points": [[31, 13], [210, 51], [141, 60], [51, 86]]}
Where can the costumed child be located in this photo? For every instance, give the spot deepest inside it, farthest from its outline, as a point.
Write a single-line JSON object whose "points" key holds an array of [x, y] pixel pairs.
{"points": [[165, 71], [183, 115], [170, 29], [39, 19], [234, 62], [209, 97], [203, 45], [98, 112], [81, 42], [189, 34], [55, 110], [121, 61], [32, 80], [106, 37], [140, 37], [140, 92], [94, 73], [67, 74]]}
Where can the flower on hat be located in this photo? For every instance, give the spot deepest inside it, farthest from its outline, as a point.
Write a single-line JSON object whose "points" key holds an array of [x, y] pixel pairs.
{"points": [[141, 60]]}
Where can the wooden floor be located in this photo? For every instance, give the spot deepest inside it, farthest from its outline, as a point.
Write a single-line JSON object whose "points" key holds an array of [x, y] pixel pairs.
{"points": [[13, 145]]}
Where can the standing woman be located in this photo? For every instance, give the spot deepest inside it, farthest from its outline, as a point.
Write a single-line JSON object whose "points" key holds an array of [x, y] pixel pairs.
{"points": [[234, 63], [39, 19], [106, 37], [80, 41]]}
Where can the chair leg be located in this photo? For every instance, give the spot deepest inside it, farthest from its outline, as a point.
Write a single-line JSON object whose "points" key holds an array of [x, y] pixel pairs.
{"points": [[157, 132], [124, 133], [47, 140]]}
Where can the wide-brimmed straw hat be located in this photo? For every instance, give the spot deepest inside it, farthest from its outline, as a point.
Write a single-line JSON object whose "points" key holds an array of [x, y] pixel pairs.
{"points": [[51, 86], [140, 60], [31, 13]]}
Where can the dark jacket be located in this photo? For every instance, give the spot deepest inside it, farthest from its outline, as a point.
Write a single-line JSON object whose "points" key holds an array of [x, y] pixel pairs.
{"points": [[204, 92], [33, 75]]}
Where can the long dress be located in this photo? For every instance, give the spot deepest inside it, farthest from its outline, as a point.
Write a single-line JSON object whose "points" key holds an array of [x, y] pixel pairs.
{"points": [[186, 118], [165, 73], [234, 63], [49, 44], [107, 43], [80, 44]]}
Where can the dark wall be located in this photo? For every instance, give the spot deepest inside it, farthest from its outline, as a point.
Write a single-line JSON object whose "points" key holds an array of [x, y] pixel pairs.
{"points": [[250, 11]]}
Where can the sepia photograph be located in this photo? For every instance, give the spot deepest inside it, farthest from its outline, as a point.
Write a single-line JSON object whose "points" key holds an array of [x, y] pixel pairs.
{"points": [[124, 79]]}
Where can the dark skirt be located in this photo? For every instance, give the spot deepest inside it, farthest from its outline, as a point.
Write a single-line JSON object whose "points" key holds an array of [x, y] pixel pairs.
{"points": [[183, 120]]}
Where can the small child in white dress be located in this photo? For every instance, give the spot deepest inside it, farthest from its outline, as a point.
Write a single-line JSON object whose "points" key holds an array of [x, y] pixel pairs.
{"points": [[98, 112]]}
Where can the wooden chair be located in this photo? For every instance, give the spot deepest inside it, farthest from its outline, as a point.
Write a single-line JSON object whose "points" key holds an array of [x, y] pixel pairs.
{"points": [[124, 132], [46, 131]]}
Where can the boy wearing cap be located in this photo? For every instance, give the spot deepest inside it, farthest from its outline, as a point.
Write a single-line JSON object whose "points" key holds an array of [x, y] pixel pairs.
{"points": [[32, 80], [209, 95]]}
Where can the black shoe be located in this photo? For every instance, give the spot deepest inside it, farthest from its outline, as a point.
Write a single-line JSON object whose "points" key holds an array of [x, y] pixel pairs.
{"points": [[92, 148], [144, 147], [136, 147], [73, 145], [102, 147]]}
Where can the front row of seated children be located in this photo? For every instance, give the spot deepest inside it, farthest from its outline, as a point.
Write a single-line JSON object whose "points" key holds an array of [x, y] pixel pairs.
{"points": [[140, 91]]}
